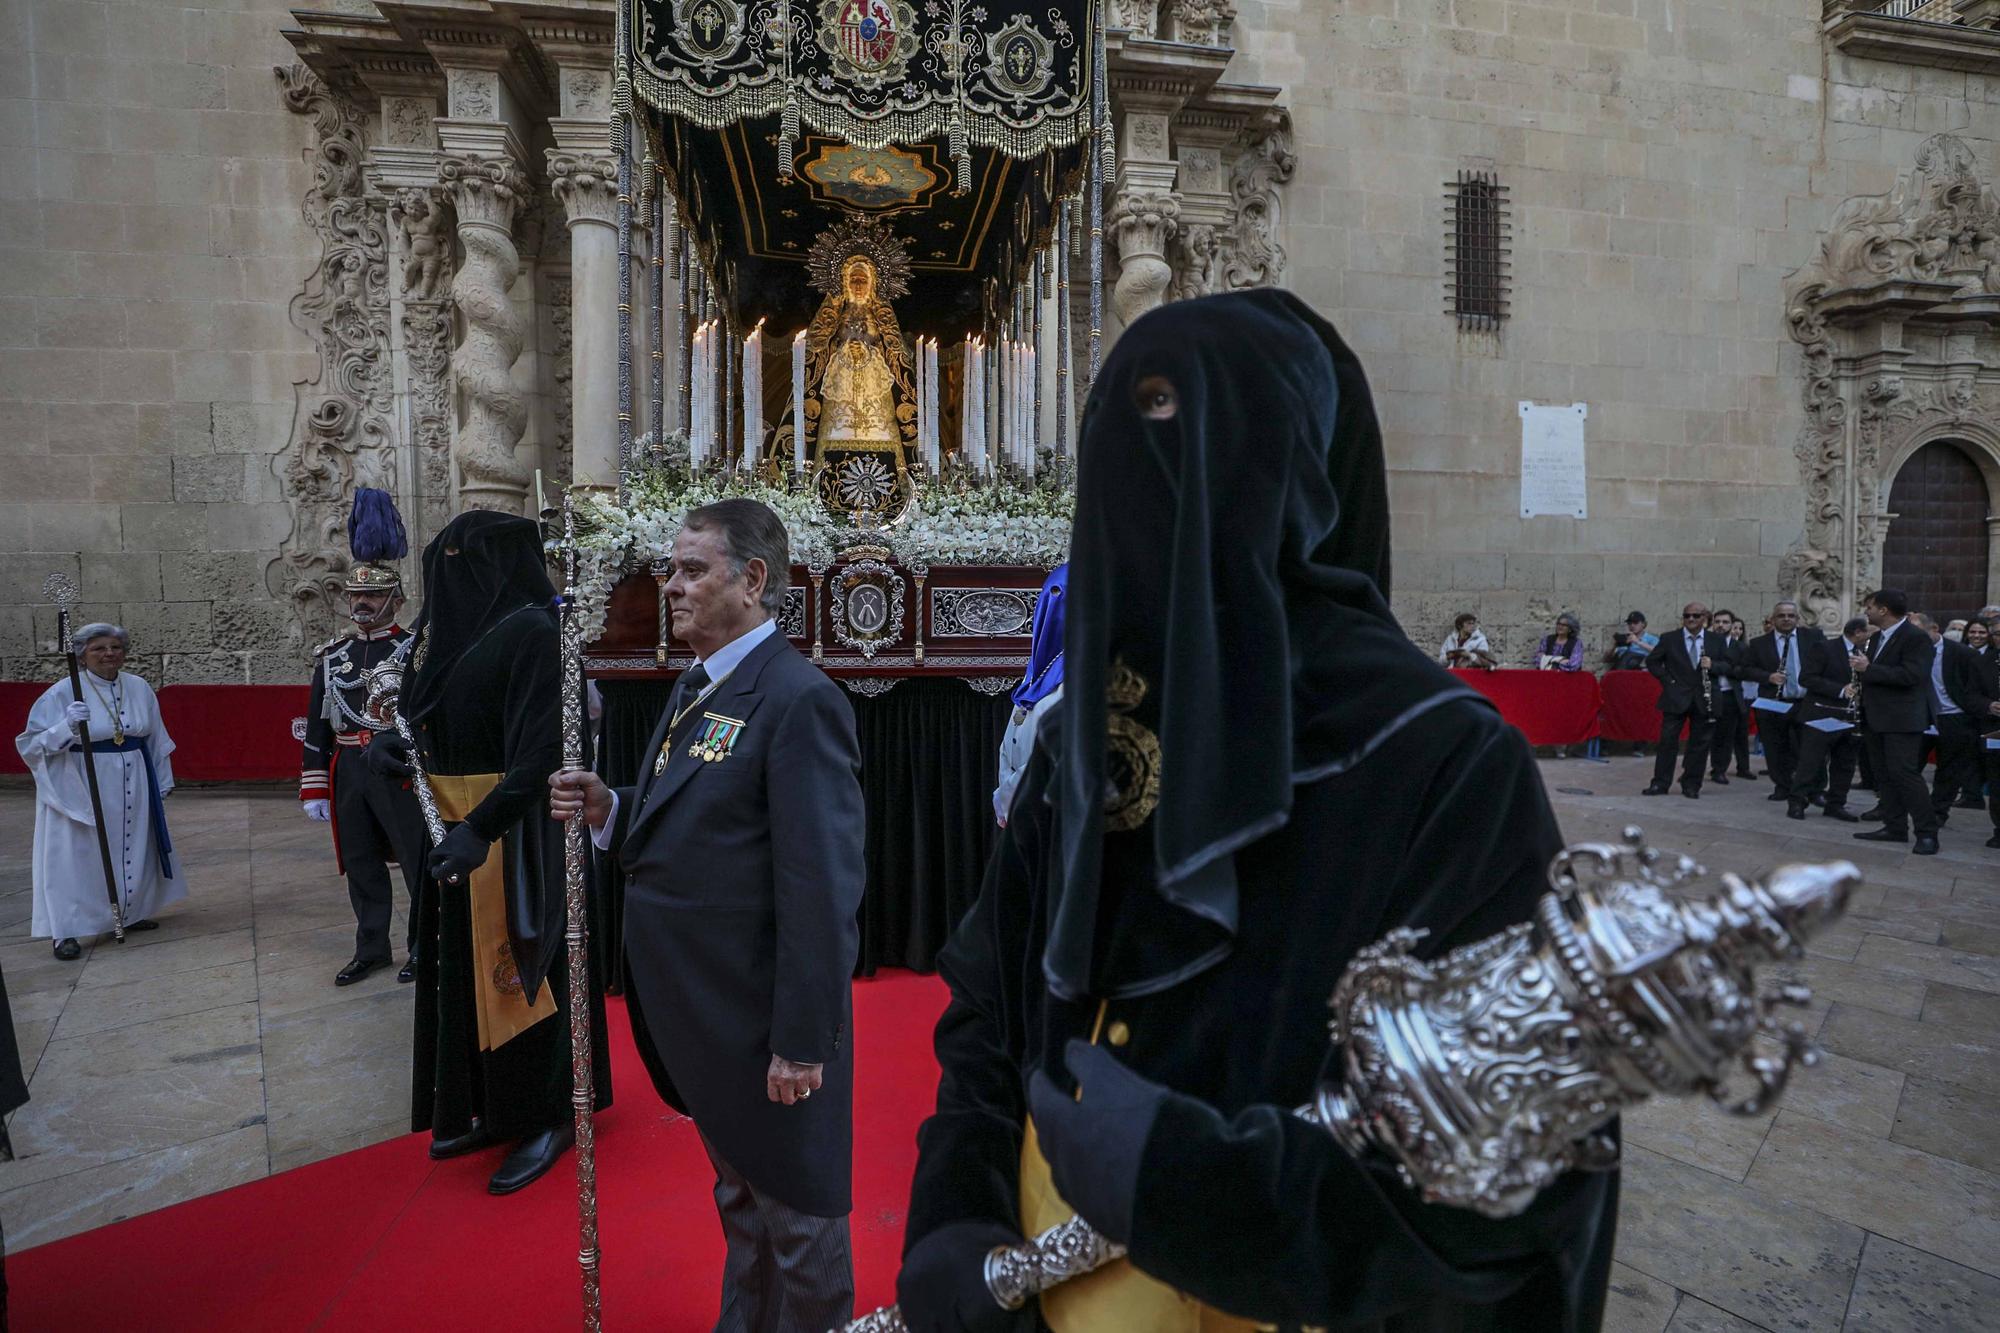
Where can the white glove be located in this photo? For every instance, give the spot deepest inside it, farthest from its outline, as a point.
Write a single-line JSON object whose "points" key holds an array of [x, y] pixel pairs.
{"points": [[76, 712], [319, 810]]}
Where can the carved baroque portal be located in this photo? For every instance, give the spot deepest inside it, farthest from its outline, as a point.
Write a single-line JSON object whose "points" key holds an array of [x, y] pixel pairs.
{"points": [[1896, 316], [341, 434]]}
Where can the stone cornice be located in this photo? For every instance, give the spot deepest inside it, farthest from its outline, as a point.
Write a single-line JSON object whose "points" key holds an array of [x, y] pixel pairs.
{"points": [[1954, 46]]}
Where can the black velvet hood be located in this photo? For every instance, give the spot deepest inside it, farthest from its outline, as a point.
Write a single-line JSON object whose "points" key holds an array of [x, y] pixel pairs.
{"points": [[1231, 548], [479, 570]]}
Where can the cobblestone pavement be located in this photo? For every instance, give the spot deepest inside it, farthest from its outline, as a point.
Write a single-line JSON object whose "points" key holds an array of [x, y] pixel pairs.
{"points": [[216, 1051]]}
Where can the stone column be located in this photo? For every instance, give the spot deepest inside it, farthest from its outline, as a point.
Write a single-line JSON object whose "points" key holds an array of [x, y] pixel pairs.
{"points": [[584, 177], [1145, 210], [493, 413]]}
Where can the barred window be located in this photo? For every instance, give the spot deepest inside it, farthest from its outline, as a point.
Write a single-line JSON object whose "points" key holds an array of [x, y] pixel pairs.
{"points": [[1477, 235]]}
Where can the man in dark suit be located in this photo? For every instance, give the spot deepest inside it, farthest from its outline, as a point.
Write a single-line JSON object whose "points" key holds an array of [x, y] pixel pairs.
{"points": [[1776, 661], [1682, 663], [1961, 707], [1825, 758], [1725, 650], [1896, 707], [742, 847]]}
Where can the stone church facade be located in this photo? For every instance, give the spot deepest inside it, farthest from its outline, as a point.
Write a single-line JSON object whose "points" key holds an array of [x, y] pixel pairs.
{"points": [[256, 255]]}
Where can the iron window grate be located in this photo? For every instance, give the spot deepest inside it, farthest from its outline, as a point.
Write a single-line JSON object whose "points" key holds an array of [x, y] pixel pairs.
{"points": [[1478, 250]]}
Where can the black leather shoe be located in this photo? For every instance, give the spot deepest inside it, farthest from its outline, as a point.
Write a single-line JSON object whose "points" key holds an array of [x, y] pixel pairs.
{"points": [[1719, 779], [1795, 810], [1873, 814], [1925, 846], [68, 951], [1817, 799], [1692, 793], [531, 1160], [1745, 773], [471, 1141], [1842, 813], [1654, 789], [408, 972], [1994, 841], [1884, 835], [1778, 795], [358, 969], [147, 924]]}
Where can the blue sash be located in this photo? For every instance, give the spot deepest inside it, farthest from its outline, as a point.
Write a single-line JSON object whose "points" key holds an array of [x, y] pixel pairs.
{"points": [[152, 793]]}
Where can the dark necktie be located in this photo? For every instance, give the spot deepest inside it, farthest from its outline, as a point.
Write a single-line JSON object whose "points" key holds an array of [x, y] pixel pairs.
{"points": [[693, 681]]}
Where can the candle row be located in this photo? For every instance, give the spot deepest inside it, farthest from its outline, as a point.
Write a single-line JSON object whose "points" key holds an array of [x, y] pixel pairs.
{"points": [[704, 420]]}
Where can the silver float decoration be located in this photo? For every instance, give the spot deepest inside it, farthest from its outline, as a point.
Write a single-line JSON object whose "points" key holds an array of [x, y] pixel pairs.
{"points": [[1487, 1074]]}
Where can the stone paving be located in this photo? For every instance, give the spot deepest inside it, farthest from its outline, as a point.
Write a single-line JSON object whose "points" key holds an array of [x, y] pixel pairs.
{"points": [[216, 1051]]}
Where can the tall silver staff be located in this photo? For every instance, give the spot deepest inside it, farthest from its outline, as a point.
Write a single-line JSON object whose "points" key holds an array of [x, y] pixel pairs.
{"points": [[62, 592], [582, 1085]]}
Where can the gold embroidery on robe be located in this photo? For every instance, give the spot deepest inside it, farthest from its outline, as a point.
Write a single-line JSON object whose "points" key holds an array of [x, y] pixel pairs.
{"points": [[499, 999]]}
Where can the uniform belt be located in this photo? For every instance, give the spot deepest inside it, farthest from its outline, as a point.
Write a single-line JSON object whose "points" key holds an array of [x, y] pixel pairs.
{"points": [[353, 738]]}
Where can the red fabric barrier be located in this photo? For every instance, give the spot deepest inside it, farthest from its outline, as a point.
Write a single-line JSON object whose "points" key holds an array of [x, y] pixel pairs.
{"points": [[16, 698], [234, 733], [1550, 707], [1631, 708]]}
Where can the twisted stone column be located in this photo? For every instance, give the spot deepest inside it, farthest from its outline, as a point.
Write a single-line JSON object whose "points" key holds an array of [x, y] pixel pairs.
{"points": [[1140, 226], [586, 184], [493, 414]]}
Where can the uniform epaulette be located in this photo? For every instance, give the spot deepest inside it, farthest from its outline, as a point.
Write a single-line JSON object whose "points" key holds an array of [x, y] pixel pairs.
{"points": [[332, 644]]}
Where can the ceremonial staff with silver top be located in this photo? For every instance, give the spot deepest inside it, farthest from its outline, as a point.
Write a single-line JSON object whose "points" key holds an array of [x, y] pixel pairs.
{"points": [[63, 593]]}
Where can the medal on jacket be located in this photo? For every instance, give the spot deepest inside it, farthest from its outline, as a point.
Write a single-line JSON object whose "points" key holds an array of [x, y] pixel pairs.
{"points": [[716, 738]]}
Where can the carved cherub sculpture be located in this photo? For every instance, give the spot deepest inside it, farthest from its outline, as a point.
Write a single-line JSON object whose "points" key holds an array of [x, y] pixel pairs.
{"points": [[423, 244]]}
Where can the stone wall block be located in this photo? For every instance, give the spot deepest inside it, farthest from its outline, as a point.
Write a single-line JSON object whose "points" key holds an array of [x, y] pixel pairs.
{"points": [[17, 631], [261, 626], [210, 477], [219, 575], [202, 668], [120, 576], [247, 527], [174, 627], [48, 639], [277, 668], [165, 527], [250, 428]]}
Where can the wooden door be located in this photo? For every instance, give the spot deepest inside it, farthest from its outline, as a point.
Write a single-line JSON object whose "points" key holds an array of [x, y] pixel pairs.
{"points": [[1936, 547]]}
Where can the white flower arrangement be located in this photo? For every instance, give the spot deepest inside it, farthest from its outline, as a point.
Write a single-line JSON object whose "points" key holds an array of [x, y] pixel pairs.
{"points": [[956, 519]]}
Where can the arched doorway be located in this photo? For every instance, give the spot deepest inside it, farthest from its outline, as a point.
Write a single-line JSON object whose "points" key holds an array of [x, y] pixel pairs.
{"points": [[1936, 549]]}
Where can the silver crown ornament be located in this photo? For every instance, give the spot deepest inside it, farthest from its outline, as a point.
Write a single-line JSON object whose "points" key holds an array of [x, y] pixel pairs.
{"points": [[1489, 1073]]}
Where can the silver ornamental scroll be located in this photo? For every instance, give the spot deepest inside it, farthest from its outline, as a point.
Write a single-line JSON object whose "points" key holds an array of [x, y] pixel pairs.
{"points": [[1489, 1073]]}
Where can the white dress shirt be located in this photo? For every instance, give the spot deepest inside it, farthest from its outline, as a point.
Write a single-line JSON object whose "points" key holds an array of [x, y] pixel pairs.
{"points": [[719, 664]]}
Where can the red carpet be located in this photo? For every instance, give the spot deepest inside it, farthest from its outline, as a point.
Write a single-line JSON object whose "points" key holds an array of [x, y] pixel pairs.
{"points": [[384, 1238]]}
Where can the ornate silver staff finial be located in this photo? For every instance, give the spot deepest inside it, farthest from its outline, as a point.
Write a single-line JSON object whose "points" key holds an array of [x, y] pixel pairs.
{"points": [[60, 589], [1487, 1074]]}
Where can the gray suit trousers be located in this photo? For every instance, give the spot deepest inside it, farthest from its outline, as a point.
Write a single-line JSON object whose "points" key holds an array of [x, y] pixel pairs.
{"points": [[786, 1271]]}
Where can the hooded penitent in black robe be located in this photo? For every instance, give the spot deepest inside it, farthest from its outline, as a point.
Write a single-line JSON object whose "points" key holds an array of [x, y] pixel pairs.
{"points": [[484, 700], [1187, 874]]}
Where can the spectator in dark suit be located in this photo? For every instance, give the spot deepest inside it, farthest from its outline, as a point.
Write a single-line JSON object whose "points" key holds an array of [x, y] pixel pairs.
{"points": [[1961, 705], [1896, 707], [1776, 660], [1729, 705], [743, 846], [1682, 663], [1825, 759]]}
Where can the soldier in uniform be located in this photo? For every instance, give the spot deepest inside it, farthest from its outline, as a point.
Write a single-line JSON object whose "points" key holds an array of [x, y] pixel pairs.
{"points": [[375, 816]]}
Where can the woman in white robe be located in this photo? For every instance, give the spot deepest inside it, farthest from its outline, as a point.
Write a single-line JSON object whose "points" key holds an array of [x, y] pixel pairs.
{"points": [[131, 750]]}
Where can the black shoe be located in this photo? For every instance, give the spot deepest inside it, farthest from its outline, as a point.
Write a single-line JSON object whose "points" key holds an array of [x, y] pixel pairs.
{"points": [[147, 924], [1994, 841], [1884, 835], [1745, 773], [1817, 799], [471, 1141], [1842, 813], [68, 951], [1873, 814], [1795, 810], [531, 1159], [1944, 816], [1926, 845], [1654, 789], [1719, 779], [409, 971], [358, 969], [1692, 793], [1779, 795]]}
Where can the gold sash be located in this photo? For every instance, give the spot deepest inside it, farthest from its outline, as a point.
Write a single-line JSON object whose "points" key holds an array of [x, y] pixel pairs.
{"points": [[1117, 1298], [499, 999]]}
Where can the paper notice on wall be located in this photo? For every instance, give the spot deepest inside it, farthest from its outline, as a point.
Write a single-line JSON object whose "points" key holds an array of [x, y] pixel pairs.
{"points": [[1552, 475]]}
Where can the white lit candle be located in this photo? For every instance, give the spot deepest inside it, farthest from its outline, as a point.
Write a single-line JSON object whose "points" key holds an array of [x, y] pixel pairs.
{"points": [[753, 395], [799, 401]]}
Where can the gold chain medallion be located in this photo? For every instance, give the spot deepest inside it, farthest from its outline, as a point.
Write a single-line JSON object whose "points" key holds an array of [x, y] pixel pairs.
{"points": [[1133, 755]]}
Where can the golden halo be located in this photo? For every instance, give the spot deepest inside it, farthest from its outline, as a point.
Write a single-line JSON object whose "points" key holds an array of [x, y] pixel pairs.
{"points": [[869, 238]]}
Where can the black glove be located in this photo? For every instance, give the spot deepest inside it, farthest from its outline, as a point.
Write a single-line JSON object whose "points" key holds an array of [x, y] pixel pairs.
{"points": [[942, 1286], [389, 756], [461, 853], [1094, 1143]]}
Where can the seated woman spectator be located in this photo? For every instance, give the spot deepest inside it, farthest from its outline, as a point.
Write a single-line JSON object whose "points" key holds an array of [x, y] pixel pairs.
{"points": [[1561, 650], [1466, 645], [1628, 649]]}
